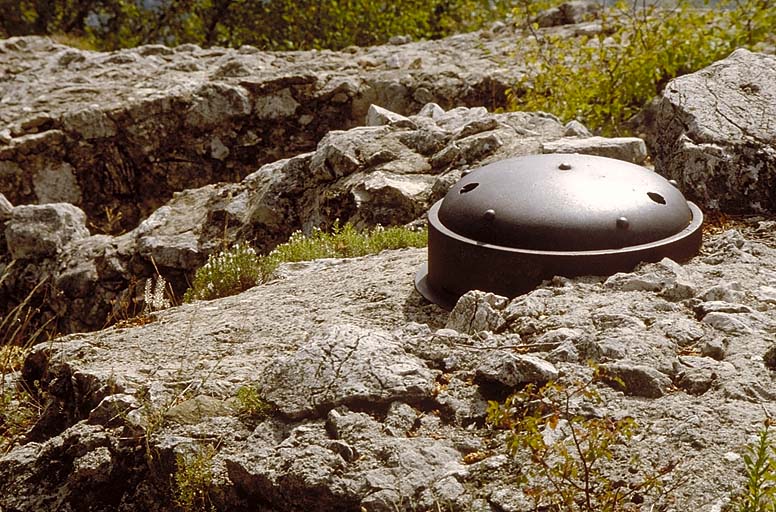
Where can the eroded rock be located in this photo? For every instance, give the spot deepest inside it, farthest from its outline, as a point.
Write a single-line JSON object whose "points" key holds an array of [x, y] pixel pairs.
{"points": [[708, 134]]}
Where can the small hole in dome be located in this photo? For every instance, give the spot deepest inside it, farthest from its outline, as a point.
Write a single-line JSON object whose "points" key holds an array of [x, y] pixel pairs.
{"points": [[656, 197], [468, 187]]}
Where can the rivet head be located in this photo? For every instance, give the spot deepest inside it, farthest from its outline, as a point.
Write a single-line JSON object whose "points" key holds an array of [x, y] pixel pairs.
{"points": [[623, 223], [674, 183], [489, 214], [564, 166]]}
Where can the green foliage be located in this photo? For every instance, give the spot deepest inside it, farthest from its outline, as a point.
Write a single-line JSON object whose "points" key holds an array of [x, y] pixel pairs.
{"points": [[268, 24], [604, 79], [250, 404], [226, 273], [193, 480], [18, 407], [760, 465], [570, 457], [239, 268]]}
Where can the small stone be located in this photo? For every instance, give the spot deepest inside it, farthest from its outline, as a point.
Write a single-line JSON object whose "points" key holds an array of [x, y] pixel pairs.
{"points": [[41, 231], [432, 110], [379, 116], [6, 208], [696, 381], [192, 411], [728, 323], [714, 348], [636, 380], [728, 292], [512, 370], [576, 129], [628, 149], [112, 410], [766, 294], [477, 311]]}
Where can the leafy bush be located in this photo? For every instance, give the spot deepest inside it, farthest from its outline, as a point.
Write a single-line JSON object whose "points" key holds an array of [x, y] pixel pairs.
{"points": [[226, 273], [250, 404], [193, 479], [604, 79], [271, 25], [239, 268], [568, 456], [760, 466]]}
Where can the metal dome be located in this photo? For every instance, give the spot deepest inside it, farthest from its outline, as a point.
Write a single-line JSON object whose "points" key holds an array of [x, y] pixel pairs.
{"points": [[507, 226]]}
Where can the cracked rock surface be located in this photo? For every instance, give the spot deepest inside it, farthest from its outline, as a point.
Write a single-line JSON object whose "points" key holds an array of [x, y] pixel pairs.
{"points": [[713, 132], [378, 402]]}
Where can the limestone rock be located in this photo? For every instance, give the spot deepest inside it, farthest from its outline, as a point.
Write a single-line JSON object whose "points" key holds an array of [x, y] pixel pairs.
{"points": [[637, 380], [40, 231], [345, 365], [568, 13], [708, 133], [6, 209], [477, 311], [629, 149], [92, 128], [513, 370]]}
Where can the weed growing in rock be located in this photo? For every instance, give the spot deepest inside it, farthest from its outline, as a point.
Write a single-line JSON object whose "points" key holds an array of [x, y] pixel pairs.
{"points": [[239, 268], [572, 457], [193, 479], [250, 405], [154, 295], [604, 79], [20, 328], [18, 407], [226, 273], [760, 466], [344, 242], [21, 324]]}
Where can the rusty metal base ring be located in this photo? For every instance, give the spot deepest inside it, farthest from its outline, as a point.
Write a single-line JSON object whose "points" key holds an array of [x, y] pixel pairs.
{"points": [[457, 264]]}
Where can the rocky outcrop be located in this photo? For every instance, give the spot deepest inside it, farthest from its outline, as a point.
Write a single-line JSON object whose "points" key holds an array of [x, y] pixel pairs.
{"points": [[713, 132], [117, 133], [374, 401], [387, 173]]}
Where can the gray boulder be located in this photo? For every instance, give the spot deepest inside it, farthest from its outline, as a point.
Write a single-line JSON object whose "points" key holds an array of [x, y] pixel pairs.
{"points": [[712, 132], [345, 365], [41, 231]]}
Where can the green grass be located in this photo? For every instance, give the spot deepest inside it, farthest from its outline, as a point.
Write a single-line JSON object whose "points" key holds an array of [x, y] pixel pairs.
{"points": [[604, 79], [238, 268]]}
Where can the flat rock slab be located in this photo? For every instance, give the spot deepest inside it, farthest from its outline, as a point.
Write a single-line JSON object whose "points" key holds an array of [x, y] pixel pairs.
{"points": [[346, 365], [376, 401], [713, 132]]}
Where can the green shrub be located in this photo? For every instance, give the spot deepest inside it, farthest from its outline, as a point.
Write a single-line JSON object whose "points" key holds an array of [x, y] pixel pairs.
{"points": [[270, 25], [226, 273], [567, 457], [760, 467], [604, 79], [250, 404], [239, 268], [193, 480]]}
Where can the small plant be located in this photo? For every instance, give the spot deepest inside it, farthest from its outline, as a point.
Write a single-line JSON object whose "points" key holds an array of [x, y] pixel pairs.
{"points": [[226, 273], [571, 458], [18, 407], [22, 325], [343, 242], [154, 295], [250, 404], [239, 268], [604, 79], [193, 479], [760, 466]]}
